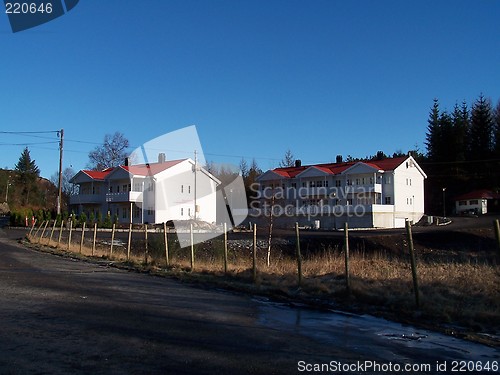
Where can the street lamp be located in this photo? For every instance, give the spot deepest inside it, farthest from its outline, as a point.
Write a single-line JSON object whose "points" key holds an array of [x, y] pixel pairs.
{"points": [[444, 203], [7, 192]]}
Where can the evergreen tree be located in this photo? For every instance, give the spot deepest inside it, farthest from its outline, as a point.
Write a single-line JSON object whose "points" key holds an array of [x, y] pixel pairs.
{"points": [[243, 168], [253, 172], [446, 147], [481, 130], [27, 174], [496, 115], [433, 135], [460, 130]]}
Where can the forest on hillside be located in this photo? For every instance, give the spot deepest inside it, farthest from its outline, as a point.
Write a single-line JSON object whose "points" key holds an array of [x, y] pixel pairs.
{"points": [[462, 152]]}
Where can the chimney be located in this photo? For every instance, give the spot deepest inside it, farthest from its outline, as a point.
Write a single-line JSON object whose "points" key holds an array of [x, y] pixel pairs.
{"points": [[162, 157], [127, 162], [298, 163], [338, 159]]}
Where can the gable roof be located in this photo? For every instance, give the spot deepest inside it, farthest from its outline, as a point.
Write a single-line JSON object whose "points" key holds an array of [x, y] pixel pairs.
{"points": [[478, 194], [98, 175], [136, 170], [150, 168], [388, 164]]}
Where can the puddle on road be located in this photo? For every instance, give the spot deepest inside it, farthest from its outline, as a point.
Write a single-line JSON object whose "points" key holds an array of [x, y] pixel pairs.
{"points": [[365, 334]]}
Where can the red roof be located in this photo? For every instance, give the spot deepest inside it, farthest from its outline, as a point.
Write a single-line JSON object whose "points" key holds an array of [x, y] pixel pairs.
{"points": [[98, 175], [478, 194], [136, 170], [150, 169], [337, 168]]}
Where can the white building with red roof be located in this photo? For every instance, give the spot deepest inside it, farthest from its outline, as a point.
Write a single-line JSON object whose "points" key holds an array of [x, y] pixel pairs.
{"points": [[477, 202], [148, 193], [365, 194]]}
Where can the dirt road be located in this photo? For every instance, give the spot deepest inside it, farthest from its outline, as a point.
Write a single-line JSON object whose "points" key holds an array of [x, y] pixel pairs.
{"points": [[59, 315]]}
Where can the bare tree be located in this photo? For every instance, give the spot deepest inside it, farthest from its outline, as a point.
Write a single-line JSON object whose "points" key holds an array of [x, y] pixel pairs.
{"points": [[288, 160], [111, 153], [67, 187]]}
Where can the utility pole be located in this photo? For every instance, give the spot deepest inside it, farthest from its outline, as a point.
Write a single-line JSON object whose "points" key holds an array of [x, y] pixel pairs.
{"points": [[195, 169], [59, 188]]}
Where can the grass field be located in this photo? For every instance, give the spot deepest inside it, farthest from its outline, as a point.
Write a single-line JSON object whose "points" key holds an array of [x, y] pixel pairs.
{"points": [[459, 291]]}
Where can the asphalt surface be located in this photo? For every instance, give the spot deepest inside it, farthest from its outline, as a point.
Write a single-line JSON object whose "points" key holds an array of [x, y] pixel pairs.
{"points": [[59, 316]]}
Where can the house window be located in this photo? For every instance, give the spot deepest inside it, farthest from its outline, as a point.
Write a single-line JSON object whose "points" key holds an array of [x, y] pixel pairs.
{"points": [[124, 188], [338, 183], [137, 212], [151, 211], [182, 189], [124, 213], [474, 201], [371, 180], [388, 200], [182, 211], [349, 182], [189, 212], [462, 203], [189, 189], [294, 185], [111, 189], [118, 188], [387, 180]]}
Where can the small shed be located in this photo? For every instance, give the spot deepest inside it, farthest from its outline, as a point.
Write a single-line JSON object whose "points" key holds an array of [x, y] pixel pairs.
{"points": [[477, 202]]}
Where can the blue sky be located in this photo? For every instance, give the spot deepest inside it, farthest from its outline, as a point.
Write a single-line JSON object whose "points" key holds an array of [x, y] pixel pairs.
{"points": [[320, 78]]}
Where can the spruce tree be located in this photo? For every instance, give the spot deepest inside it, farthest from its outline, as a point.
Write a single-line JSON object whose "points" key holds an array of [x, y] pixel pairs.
{"points": [[27, 174], [460, 129], [496, 116], [433, 135], [481, 130]]}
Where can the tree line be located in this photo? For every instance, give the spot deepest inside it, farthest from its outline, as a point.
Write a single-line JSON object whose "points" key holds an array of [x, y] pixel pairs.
{"points": [[463, 151]]}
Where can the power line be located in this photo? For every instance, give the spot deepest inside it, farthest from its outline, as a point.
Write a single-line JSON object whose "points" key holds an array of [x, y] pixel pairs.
{"points": [[31, 132]]}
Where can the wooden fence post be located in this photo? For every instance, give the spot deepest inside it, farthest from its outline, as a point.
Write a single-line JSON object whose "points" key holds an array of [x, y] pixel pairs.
{"points": [[31, 230], [165, 238], [38, 230], [70, 230], [60, 234], [413, 263], [225, 248], [299, 256], [129, 240], [112, 241], [192, 246], [83, 236], [43, 231], [146, 244], [346, 253], [52, 232], [254, 254], [95, 235], [497, 233]]}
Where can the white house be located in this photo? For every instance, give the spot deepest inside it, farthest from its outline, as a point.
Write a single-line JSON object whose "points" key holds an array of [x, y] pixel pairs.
{"points": [[148, 193], [365, 194], [477, 202]]}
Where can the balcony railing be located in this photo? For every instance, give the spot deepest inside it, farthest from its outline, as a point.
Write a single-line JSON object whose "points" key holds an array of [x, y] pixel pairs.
{"points": [[86, 199], [128, 196], [367, 188]]}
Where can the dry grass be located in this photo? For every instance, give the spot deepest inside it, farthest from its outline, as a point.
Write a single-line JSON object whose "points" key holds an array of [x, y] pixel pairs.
{"points": [[459, 293]]}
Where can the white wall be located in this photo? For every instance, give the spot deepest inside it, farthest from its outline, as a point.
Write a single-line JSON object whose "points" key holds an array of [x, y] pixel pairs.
{"points": [[408, 191], [174, 198]]}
